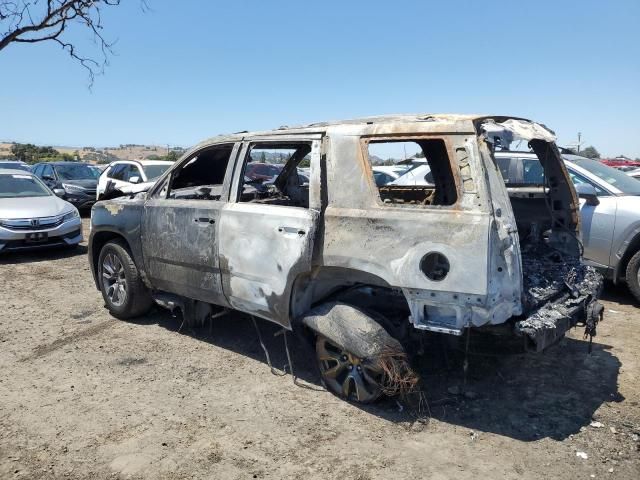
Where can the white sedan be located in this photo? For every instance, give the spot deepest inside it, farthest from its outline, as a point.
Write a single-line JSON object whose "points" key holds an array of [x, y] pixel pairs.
{"points": [[126, 173]]}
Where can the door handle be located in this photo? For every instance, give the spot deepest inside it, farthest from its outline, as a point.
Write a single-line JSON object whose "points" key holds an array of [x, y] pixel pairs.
{"points": [[296, 230], [204, 220]]}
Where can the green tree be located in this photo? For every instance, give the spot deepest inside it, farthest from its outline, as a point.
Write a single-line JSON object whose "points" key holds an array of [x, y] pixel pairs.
{"points": [[172, 156], [29, 153], [589, 152]]}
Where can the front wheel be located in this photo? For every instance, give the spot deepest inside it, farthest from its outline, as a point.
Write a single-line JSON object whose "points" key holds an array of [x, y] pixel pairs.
{"points": [[124, 293], [633, 275]]}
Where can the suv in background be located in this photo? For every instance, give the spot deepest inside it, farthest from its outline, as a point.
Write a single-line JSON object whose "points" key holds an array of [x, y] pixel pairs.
{"points": [[74, 182], [14, 165], [125, 173], [609, 208], [358, 269]]}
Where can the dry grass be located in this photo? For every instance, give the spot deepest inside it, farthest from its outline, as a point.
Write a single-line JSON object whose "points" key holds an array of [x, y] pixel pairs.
{"points": [[399, 378]]}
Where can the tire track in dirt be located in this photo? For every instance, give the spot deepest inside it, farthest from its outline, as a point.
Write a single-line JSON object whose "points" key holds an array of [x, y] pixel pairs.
{"points": [[42, 350]]}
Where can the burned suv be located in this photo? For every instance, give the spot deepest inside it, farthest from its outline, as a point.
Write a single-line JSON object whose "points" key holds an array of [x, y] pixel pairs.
{"points": [[359, 268]]}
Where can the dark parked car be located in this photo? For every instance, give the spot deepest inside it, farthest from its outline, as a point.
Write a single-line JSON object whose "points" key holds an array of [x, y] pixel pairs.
{"points": [[14, 165], [74, 182]]}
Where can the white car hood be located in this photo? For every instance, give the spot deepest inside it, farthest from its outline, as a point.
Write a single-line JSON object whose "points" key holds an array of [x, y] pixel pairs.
{"points": [[134, 188], [33, 207]]}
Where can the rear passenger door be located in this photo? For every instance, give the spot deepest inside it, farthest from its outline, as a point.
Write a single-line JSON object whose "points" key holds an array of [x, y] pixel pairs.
{"points": [[267, 231], [180, 225]]}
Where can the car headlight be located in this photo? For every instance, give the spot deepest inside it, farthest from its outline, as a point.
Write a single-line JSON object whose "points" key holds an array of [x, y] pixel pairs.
{"points": [[72, 188], [70, 215]]}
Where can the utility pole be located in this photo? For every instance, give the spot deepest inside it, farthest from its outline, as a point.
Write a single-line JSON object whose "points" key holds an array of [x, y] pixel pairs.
{"points": [[579, 137]]}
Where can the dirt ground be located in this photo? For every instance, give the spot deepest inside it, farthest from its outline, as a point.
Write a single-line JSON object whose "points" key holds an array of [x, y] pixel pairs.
{"points": [[83, 395]]}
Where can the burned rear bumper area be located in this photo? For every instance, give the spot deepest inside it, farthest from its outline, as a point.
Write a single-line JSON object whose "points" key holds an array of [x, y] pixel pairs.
{"points": [[576, 305]]}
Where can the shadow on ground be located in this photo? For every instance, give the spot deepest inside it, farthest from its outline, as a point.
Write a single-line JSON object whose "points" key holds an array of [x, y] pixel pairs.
{"points": [[44, 254], [619, 294], [525, 397]]}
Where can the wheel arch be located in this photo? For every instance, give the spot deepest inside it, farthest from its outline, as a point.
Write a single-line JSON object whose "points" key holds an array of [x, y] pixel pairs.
{"points": [[627, 250], [98, 241], [325, 284]]}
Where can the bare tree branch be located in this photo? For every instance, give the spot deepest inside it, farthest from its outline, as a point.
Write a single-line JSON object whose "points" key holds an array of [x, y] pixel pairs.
{"points": [[34, 21]]}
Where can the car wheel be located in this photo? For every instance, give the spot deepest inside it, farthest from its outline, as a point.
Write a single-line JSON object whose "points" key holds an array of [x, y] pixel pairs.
{"points": [[347, 375], [633, 275], [124, 293]]}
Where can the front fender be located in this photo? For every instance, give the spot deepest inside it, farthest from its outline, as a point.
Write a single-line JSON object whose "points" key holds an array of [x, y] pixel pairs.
{"points": [[112, 219], [626, 244]]}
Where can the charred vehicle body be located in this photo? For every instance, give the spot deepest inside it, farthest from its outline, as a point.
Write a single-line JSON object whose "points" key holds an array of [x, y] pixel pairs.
{"points": [[360, 268]]}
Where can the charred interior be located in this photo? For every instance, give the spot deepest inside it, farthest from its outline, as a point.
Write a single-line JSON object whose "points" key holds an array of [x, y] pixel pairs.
{"points": [[279, 183], [545, 211]]}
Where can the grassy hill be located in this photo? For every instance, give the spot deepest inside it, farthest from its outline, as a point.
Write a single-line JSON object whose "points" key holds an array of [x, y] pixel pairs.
{"points": [[106, 154]]}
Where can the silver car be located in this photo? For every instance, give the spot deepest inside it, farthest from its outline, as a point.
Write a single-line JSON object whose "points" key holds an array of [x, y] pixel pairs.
{"points": [[609, 210], [32, 216]]}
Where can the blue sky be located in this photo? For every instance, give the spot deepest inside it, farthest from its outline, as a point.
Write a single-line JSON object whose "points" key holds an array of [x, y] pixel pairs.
{"points": [[185, 73]]}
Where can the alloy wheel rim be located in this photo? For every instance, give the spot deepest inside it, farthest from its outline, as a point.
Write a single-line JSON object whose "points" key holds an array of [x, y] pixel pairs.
{"points": [[344, 373], [114, 280]]}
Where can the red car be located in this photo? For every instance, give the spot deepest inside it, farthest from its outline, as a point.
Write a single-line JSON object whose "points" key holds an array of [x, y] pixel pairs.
{"points": [[620, 162]]}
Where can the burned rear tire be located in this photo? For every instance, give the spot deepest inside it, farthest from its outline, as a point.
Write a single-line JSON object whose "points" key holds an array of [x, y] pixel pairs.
{"points": [[124, 293], [347, 375], [357, 358], [633, 275]]}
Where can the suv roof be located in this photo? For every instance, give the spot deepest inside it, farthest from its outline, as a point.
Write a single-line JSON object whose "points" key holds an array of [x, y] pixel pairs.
{"points": [[144, 162], [62, 163], [11, 171], [394, 119]]}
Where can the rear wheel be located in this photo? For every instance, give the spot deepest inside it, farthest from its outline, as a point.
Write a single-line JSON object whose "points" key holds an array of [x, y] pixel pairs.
{"points": [[124, 293], [347, 375], [633, 275]]}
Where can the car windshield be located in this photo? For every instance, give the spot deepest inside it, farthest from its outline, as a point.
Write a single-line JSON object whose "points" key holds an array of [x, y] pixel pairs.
{"points": [[18, 186], [154, 171], [616, 178], [14, 166], [76, 172]]}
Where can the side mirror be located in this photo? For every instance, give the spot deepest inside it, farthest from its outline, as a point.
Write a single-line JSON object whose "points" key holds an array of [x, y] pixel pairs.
{"points": [[48, 178], [135, 179], [59, 192], [588, 192]]}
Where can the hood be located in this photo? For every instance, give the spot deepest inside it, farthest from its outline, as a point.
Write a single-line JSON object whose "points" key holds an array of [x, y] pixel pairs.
{"points": [[134, 188], [33, 207], [90, 184]]}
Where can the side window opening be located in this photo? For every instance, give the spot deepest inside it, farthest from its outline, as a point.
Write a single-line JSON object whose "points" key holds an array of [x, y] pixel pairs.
{"points": [[47, 171], [579, 179], [117, 172], [427, 179], [202, 176], [275, 174]]}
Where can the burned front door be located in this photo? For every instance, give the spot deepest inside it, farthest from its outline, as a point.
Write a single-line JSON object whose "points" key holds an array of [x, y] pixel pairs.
{"points": [[268, 227], [180, 223]]}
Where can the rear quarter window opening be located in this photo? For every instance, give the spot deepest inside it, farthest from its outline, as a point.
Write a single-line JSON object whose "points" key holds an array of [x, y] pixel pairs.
{"points": [[427, 179]]}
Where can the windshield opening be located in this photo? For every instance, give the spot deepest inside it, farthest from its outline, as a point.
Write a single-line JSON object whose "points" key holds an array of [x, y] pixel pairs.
{"points": [[19, 186], [620, 180], [75, 172]]}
